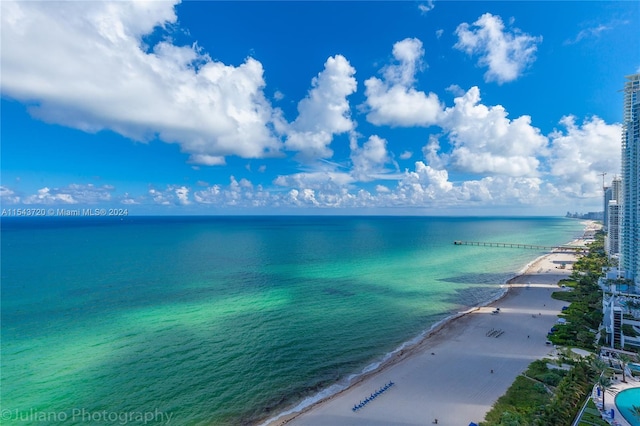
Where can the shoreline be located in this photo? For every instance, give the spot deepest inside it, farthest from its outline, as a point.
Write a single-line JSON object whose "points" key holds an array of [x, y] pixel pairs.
{"points": [[324, 410], [390, 359]]}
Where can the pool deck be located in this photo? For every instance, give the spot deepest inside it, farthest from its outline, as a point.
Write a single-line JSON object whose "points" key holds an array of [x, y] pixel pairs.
{"points": [[617, 387]]}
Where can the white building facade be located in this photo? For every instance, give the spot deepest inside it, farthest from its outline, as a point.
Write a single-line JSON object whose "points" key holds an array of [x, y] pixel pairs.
{"points": [[613, 212], [630, 205]]}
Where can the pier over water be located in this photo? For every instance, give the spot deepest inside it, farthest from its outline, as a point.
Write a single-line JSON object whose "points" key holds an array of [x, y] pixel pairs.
{"points": [[572, 249]]}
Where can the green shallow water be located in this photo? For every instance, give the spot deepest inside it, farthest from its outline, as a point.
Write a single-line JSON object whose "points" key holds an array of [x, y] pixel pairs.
{"points": [[230, 320]]}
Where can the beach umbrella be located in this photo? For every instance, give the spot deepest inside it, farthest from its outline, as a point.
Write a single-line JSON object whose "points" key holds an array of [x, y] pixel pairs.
{"points": [[472, 424]]}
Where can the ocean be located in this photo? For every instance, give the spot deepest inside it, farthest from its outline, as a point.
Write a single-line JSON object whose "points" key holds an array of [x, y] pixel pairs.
{"points": [[229, 320]]}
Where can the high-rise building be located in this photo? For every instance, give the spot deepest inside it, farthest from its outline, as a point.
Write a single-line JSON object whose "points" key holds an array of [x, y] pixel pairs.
{"points": [[630, 223], [612, 246], [613, 198], [607, 197]]}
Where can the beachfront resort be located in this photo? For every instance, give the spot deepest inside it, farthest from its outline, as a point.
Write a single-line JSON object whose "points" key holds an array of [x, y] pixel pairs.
{"points": [[620, 280], [615, 397]]}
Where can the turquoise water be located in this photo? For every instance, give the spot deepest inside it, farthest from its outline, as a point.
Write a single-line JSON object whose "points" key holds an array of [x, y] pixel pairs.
{"points": [[229, 320], [625, 401]]}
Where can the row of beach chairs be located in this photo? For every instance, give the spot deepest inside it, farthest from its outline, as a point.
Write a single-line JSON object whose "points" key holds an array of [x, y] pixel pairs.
{"points": [[495, 333], [372, 397]]}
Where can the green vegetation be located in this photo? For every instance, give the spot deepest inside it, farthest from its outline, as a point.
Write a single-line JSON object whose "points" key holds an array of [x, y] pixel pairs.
{"points": [[624, 361], [569, 396], [528, 402], [584, 314], [628, 330], [604, 383], [524, 401], [591, 416], [539, 371], [595, 259]]}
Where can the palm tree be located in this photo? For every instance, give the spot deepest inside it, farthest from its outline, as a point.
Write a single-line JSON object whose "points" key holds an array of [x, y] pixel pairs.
{"points": [[636, 410], [604, 382], [597, 366], [624, 361]]}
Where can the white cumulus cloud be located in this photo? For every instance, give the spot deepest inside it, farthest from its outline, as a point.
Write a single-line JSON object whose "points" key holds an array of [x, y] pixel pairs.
{"points": [[71, 194], [173, 195], [505, 53], [325, 111], [394, 100], [84, 65], [240, 193], [327, 180], [8, 196], [581, 152], [426, 7], [369, 159], [486, 141]]}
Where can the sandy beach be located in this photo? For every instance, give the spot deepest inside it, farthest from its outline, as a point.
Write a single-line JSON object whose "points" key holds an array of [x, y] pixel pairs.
{"points": [[459, 370]]}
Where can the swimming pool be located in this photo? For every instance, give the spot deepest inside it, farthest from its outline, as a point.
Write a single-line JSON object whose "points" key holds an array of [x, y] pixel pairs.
{"points": [[625, 401]]}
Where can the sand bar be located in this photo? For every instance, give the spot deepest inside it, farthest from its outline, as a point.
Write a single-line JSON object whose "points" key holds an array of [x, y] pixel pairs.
{"points": [[457, 372]]}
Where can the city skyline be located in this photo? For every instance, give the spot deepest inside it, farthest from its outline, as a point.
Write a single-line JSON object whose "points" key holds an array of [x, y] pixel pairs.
{"points": [[314, 108]]}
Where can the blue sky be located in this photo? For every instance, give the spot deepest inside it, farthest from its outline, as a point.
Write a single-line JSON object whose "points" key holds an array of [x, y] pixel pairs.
{"points": [[203, 107]]}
